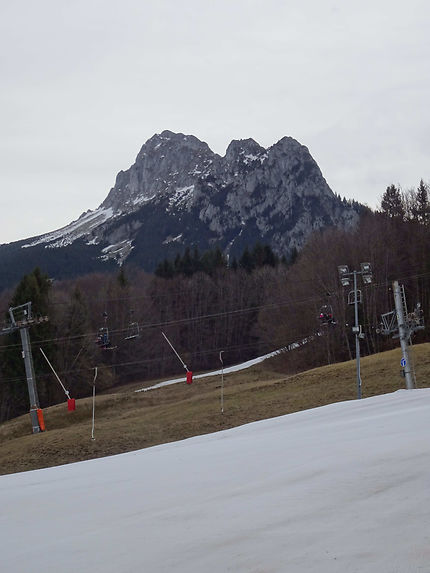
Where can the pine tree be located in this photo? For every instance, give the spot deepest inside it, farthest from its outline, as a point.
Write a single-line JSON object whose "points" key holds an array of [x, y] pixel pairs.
{"points": [[421, 209], [187, 266], [294, 253], [246, 261], [165, 270], [213, 260], [122, 279], [392, 204], [258, 255], [177, 264], [270, 258], [196, 261], [219, 259]]}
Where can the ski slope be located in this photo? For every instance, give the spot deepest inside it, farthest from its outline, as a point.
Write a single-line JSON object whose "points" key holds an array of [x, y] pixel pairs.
{"points": [[338, 489], [227, 370]]}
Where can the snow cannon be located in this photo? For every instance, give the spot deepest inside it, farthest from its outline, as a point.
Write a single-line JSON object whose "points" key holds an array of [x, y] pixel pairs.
{"points": [[40, 419]]}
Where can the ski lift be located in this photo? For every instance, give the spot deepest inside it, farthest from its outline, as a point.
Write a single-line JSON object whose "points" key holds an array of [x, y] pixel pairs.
{"points": [[103, 339], [415, 319], [132, 329], [325, 315]]}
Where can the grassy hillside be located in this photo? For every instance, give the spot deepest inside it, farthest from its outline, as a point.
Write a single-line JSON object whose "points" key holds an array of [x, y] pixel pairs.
{"points": [[126, 420]]}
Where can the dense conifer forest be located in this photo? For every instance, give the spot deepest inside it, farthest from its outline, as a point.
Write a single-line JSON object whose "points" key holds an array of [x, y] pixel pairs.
{"points": [[206, 303]]}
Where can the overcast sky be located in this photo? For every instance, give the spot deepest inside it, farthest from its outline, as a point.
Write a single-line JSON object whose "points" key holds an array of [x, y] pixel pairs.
{"points": [[85, 83]]}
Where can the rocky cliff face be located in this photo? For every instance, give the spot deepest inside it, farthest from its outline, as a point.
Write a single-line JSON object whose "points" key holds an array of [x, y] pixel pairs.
{"points": [[179, 193], [278, 195], [166, 163]]}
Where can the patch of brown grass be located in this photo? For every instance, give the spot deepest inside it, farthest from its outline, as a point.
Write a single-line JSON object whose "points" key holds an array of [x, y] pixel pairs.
{"points": [[126, 420]]}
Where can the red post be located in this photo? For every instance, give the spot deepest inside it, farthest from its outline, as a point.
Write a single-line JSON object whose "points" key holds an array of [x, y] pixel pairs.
{"points": [[41, 420]]}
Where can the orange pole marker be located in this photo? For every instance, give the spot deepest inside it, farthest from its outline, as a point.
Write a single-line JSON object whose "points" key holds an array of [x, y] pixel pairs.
{"points": [[41, 420]]}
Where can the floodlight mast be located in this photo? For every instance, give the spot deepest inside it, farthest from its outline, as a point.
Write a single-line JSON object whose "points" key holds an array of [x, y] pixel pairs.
{"points": [[357, 341], [344, 275]]}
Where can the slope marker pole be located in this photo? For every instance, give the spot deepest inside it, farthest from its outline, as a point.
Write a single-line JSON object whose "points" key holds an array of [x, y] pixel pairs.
{"points": [[94, 401], [222, 382]]}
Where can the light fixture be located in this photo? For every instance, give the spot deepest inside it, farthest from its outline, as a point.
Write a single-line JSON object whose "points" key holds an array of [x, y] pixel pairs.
{"points": [[344, 275], [366, 271]]}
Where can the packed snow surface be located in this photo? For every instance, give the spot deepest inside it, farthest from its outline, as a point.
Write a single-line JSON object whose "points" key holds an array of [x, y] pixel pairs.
{"points": [[227, 370], [339, 489]]}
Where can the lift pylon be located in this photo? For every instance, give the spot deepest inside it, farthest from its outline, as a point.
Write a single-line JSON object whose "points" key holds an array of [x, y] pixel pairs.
{"points": [[21, 319]]}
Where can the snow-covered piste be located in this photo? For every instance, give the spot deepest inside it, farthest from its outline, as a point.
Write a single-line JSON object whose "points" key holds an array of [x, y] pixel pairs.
{"points": [[228, 370], [338, 489]]}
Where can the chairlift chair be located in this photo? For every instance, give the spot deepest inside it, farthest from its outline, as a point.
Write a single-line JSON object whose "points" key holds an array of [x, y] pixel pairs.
{"points": [[103, 339], [133, 327], [132, 331], [326, 315]]}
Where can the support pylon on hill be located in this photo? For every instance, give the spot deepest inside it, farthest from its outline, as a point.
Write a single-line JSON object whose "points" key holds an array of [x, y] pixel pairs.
{"points": [[23, 325], [402, 325]]}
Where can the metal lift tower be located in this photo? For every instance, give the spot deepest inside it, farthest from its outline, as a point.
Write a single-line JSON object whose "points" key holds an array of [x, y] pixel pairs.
{"points": [[22, 319]]}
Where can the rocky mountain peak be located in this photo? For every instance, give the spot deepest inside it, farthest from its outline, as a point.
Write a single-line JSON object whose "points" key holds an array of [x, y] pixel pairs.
{"points": [[169, 141], [166, 162], [295, 166], [179, 193], [243, 149]]}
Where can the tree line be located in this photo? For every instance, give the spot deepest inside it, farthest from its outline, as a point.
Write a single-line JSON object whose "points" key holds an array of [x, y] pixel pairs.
{"points": [[410, 205], [205, 303], [210, 261]]}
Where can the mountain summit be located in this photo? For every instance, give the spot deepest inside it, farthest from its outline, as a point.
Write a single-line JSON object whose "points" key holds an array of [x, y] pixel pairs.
{"points": [[179, 193]]}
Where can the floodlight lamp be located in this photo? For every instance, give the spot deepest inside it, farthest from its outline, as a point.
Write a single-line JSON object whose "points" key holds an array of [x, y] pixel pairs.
{"points": [[343, 274], [366, 268], [367, 279]]}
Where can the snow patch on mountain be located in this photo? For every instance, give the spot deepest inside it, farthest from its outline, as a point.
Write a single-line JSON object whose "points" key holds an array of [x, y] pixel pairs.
{"points": [[75, 230], [118, 252], [142, 199], [172, 239], [181, 196], [250, 158]]}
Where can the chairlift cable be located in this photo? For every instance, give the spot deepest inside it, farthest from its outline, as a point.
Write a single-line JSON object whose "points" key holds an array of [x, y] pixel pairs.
{"points": [[208, 316]]}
